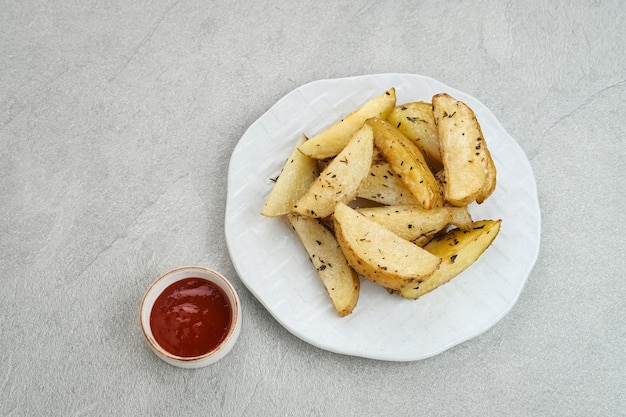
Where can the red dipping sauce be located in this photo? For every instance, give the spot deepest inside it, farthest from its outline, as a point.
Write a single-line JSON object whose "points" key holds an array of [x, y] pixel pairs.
{"points": [[191, 317]]}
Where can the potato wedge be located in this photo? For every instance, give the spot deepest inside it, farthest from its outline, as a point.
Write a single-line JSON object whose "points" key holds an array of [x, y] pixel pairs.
{"points": [[378, 254], [417, 224], [340, 280], [294, 179], [490, 183], [341, 178], [469, 171], [417, 122], [407, 161], [383, 186], [458, 251], [334, 138]]}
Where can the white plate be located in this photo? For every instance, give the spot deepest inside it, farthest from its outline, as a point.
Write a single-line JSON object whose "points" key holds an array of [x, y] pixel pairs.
{"points": [[273, 265]]}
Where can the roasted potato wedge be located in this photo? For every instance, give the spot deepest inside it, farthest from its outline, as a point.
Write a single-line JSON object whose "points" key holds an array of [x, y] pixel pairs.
{"points": [[469, 171], [407, 161], [340, 280], [417, 122], [417, 224], [294, 179], [341, 178], [334, 138], [383, 186], [458, 251], [378, 254]]}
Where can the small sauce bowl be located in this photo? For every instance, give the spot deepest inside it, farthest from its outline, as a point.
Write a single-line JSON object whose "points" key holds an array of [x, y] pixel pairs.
{"points": [[191, 317]]}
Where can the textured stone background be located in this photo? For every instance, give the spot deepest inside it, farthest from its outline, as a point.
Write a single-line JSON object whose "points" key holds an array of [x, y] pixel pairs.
{"points": [[117, 121]]}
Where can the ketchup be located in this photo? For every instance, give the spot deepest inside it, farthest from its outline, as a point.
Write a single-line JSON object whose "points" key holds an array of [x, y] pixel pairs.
{"points": [[191, 317]]}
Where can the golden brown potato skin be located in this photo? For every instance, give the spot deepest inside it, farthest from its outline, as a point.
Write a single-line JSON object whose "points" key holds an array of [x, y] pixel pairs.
{"points": [[334, 138], [417, 122], [469, 170], [458, 250], [378, 254], [407, 161]]}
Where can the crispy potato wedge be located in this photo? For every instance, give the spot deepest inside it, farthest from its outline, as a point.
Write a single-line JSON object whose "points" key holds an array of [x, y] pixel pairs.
{"points": [[341, 178], [340, 280], [294, 179], [378, 254], [458, 251], [407, 161], [383, 186], [417, 224], [334, 138], [417, 122], [469, 171]]}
